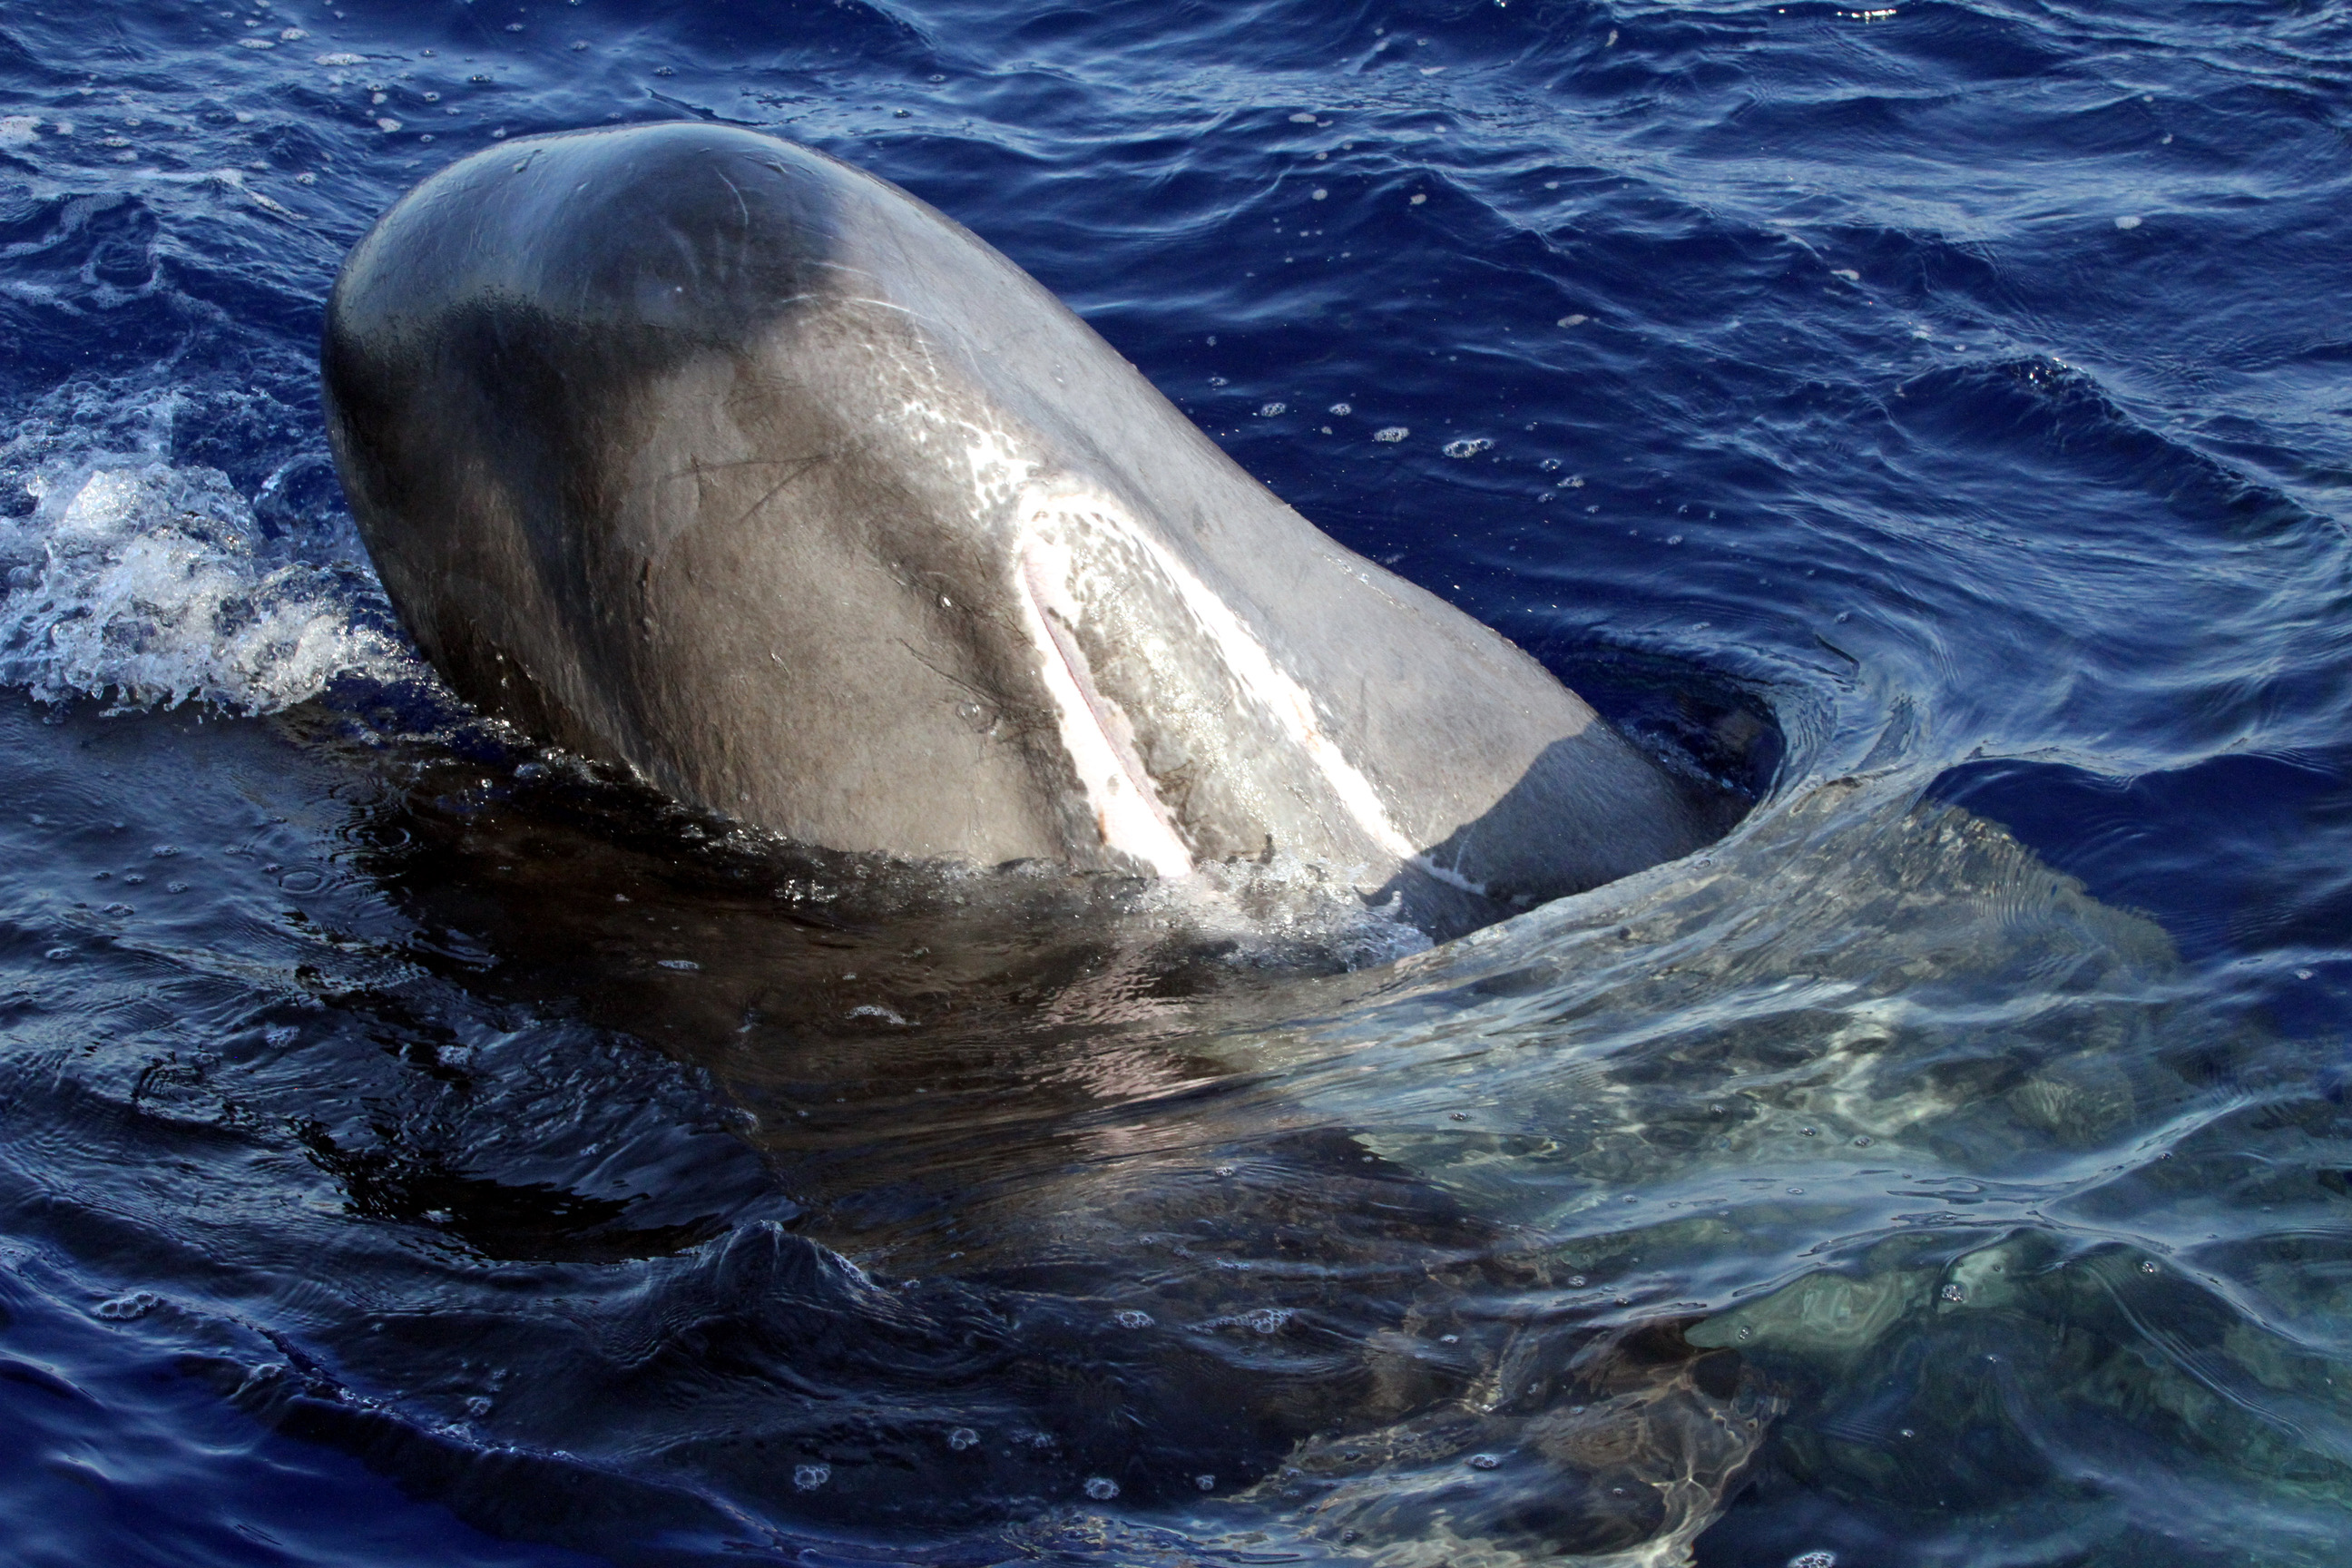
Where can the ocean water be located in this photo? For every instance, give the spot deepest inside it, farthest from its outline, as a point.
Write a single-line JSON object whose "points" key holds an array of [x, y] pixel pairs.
{"points": [[1935, 419]]}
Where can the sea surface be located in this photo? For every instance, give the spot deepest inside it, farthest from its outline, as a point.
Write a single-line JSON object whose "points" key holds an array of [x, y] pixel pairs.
{"points": [[1933, 419]]}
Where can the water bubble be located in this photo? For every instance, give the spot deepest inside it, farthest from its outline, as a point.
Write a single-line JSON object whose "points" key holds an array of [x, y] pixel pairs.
{"points": [[1449, 1339], [118, 910], [1576, 319], [682, 965], [1392, 433], [122, 1308], [1267, 1319], [962, 1437], [1207, 1483], [1576, 1281], [58, 953], [1485, 1462], [1813, 1560], [1131, 1319], [1342, 408], [1746, 1333], [1271, 409], [1302, 119], [1319, 193], [2126, 222], [478, 1407], [808, 1477], [2148, 1268], [1862, 1140], [1954, 1293], [1102, 1488], [1468, 446]]}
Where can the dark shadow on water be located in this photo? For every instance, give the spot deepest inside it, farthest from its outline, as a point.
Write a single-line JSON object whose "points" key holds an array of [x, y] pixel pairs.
{"points": [[1095, 1245]]}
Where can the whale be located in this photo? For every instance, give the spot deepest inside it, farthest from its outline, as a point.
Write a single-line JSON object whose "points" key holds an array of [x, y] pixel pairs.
{"points": [[708, 455]]}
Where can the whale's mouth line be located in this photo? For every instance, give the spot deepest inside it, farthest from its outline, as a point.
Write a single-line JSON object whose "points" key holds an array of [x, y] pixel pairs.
{"points": [[1133, 821]]}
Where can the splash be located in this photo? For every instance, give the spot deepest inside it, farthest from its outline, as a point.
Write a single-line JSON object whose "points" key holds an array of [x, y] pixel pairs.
{"points": [[148, 586]]}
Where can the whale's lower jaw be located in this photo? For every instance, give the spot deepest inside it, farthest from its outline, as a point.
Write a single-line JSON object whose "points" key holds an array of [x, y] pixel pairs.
{"points": [[1191, 675], [1127, 810]]}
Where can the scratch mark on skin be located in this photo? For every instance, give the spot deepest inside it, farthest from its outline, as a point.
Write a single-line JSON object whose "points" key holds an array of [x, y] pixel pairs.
{"points": [[805, 464], [696, 469], [741, 205], [879, 305], [997, 707], [699, 466]]}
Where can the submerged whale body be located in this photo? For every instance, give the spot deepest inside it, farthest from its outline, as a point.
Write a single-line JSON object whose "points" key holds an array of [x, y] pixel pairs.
{"points": [[693, 450]]}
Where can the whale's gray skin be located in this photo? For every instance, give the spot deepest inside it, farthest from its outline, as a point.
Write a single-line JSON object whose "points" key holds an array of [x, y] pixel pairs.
{"points": [[692, 449]]}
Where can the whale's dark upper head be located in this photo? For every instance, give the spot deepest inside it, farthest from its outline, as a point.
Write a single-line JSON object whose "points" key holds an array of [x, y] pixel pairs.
{"points": [[664, 238], [488, 343], [691, 448]]}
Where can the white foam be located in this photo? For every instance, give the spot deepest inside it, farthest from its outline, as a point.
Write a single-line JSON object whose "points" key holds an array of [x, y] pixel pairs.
{"points": [[143, 586]]}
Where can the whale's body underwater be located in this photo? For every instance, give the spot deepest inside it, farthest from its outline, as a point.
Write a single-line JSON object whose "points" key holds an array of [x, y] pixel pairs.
{"points": [[694, 450]]}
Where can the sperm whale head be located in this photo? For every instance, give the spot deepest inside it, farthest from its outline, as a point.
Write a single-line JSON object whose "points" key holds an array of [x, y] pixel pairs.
{"points": [[700, 452]]}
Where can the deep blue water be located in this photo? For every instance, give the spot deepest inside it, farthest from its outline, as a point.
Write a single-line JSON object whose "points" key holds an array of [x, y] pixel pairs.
{"points": [[1937, 417]]}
